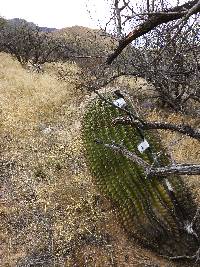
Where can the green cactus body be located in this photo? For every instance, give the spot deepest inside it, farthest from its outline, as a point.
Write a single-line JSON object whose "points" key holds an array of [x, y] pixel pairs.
{"points": [[146, 208]]}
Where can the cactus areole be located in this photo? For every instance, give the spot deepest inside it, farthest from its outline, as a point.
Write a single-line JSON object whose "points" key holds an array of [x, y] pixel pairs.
{"points": [[154, 210]]}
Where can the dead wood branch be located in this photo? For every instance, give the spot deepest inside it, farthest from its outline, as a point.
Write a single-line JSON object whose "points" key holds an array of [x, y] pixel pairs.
{"points": [[181, 128], [196, 256], [128, 154], [178, 12], [180, 169]]}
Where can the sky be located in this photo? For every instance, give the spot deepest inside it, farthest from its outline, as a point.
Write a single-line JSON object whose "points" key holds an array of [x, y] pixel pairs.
{"points": [[61, 13], [57, 13]]}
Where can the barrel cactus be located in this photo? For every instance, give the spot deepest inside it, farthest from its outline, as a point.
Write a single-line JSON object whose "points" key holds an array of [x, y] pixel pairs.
{"points": [[153, 210]]}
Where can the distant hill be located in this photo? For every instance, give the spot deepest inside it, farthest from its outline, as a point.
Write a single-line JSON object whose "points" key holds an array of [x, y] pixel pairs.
{"points": [[18, 21], [2, 21], [91, 45], [46, 29], [90, 41]]}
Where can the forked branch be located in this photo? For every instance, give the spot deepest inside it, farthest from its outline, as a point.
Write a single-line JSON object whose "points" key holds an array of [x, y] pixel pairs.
{"points": [[180, 169], [181, 128], [178, 12]]}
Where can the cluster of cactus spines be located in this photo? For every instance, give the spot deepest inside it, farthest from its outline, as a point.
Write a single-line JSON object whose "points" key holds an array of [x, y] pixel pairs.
{"points": [[147, 208]]}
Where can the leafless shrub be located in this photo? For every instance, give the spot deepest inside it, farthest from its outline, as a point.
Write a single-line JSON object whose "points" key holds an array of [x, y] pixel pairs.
{"points": [[28, 44], [162, 47], [171, 66]]}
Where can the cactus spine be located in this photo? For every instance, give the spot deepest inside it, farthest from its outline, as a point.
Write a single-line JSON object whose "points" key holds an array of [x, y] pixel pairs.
{"points": [[146, 207]]}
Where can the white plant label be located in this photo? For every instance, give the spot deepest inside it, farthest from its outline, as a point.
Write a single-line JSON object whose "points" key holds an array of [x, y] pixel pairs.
{"points": [[120, 102], [169, 186], [143, 146]]}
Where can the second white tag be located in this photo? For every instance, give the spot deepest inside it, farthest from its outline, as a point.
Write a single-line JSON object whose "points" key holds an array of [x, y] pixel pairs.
{"points": [[143, 146]]}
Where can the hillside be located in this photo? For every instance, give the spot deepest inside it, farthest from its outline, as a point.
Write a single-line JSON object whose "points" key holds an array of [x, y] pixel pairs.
{"points": [[17, 21], [89, 41], [51, 211]]}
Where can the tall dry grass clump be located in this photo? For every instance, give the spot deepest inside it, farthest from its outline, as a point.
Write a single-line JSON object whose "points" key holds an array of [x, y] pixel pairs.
{"points": [[47, 201], [28, 98]]}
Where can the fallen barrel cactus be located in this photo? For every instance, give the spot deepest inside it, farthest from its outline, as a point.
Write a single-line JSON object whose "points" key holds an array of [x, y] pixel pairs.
{"points": [[155, 211]]}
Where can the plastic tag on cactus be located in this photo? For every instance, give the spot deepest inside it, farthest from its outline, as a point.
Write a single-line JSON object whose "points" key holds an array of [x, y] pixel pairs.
{"points": [[143, 146], [120, 102], [169, 186]]}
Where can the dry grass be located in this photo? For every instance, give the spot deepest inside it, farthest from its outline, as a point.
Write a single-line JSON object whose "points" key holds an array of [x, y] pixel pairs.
{"points": [[51, 213], [182, 148], [45, 189]]}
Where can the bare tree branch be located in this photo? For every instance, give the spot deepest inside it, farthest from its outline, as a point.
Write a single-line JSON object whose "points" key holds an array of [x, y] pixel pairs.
{"points": [[196, 256], [128, 154], [183, 21], [192, 7], [181, 128], [180, 169]]}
